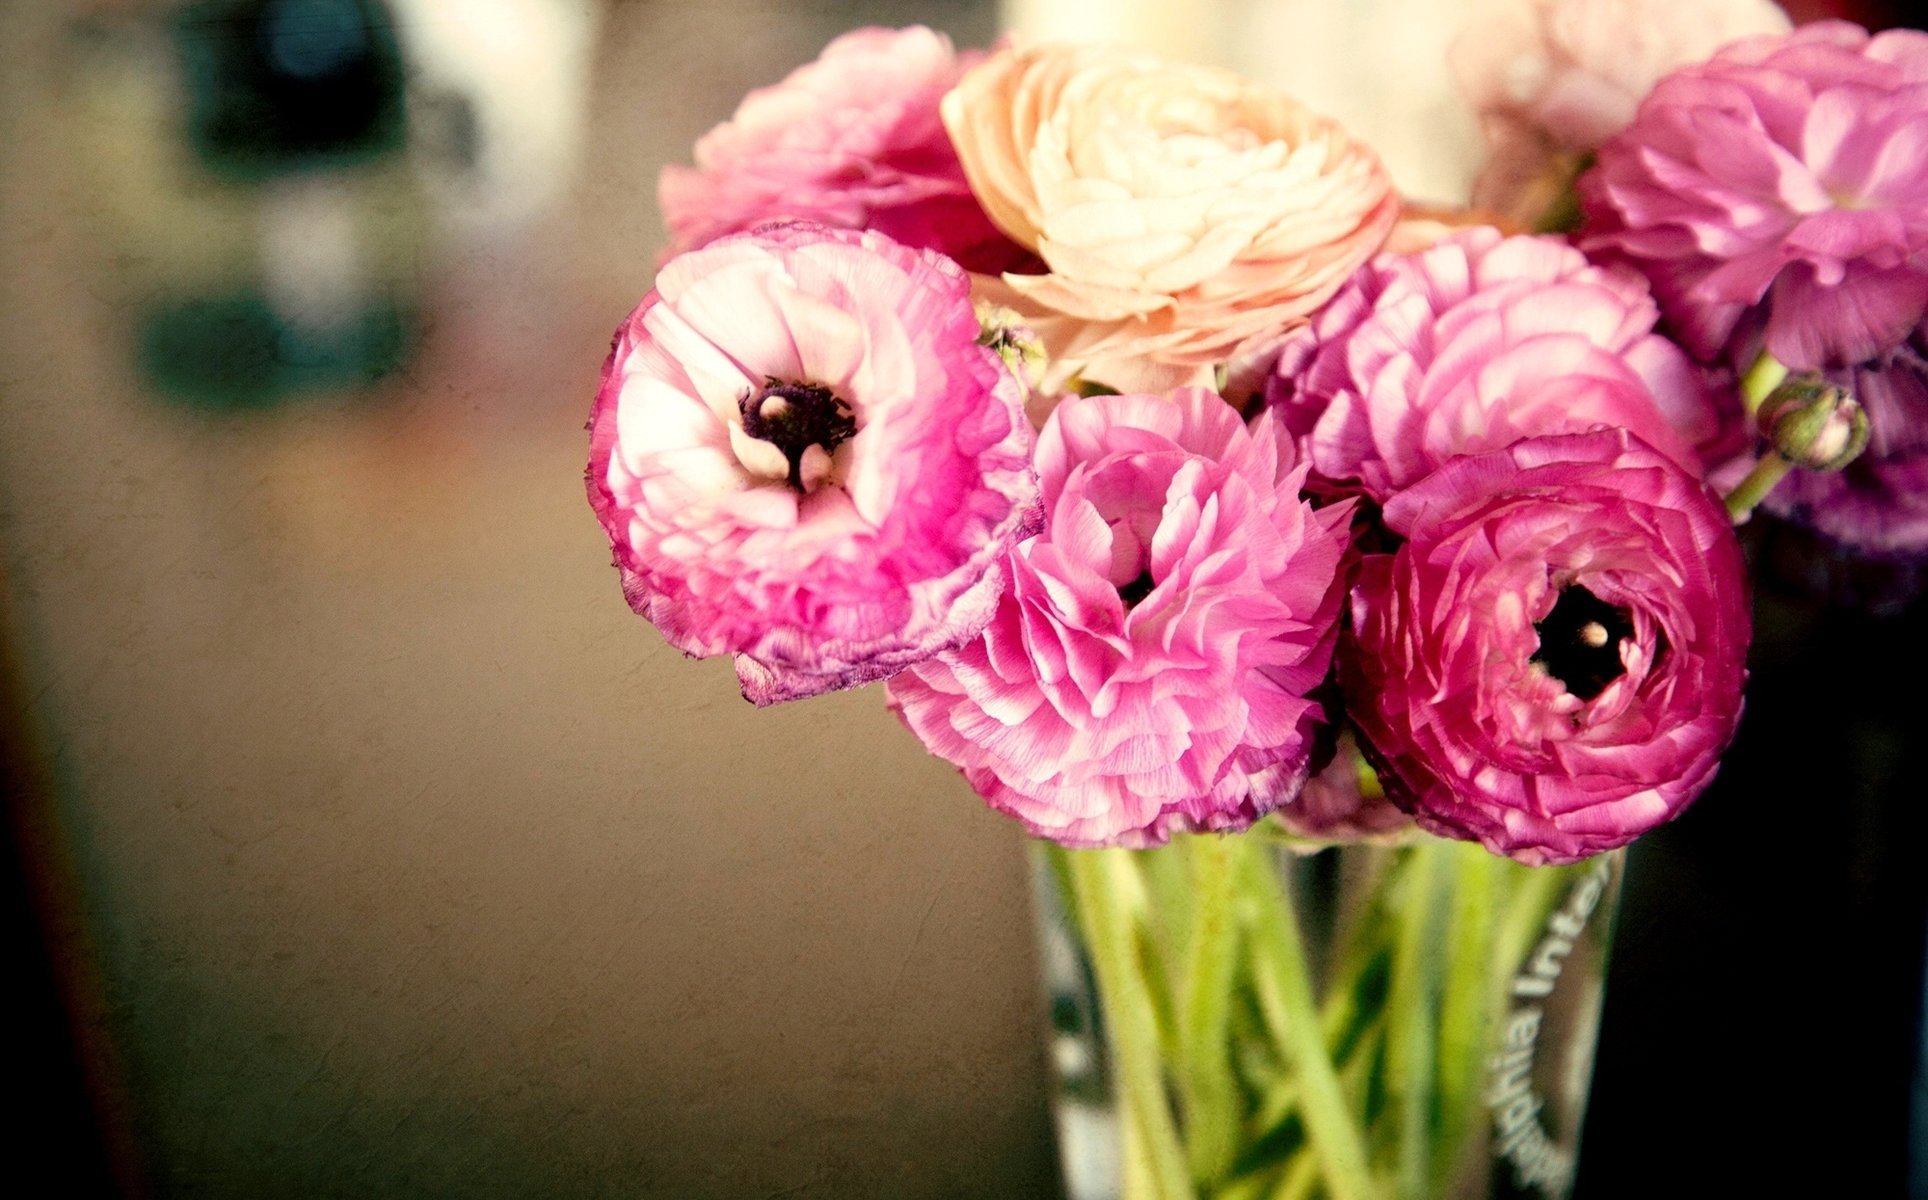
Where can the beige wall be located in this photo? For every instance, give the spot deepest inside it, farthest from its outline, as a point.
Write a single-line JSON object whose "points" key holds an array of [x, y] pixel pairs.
{"points": [[412, 863]]}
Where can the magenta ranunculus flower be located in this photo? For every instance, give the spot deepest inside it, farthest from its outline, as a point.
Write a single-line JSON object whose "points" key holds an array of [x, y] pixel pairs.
{"points": [[1148, 670], [1552, 662], [1879, 504], [1477, 342], [803, 457], [1785, 179], [852, 140]]}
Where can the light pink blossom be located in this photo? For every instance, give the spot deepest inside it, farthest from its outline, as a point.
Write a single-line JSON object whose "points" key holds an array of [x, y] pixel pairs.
{"points": [[1552, 661], [852, 140], [1784, 181], [1473, 344], [802, 457], [1148, 671], [1552, 79]]}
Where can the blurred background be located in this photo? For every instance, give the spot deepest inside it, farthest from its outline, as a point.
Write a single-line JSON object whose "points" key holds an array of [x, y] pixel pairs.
{"points": [[365, 844]]}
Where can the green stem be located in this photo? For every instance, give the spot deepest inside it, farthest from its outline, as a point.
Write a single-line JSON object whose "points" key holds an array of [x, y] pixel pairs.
{"points": [[1757, 385], [1211, 1099], [1153, 892], [1300, 1178], [1526, 914], [1412, 1017], [1285, 995], [1759, 482], [1283, 1100], [1099, 878], [1466, 1000], [1257, 1186], [1761, 379]]}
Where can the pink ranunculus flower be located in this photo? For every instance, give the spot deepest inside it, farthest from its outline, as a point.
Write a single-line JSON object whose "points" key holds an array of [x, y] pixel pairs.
{"points": [[1148, 671], [1552, 662], [852, 140], [1473, 344], [1786, 181], [803, 458], [1179, 211], [1878, 505], [1552, 79]]}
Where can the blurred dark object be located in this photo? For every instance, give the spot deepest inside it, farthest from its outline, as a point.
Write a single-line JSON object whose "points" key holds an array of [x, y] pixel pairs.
{"points": [[291, 85], [1874, 14], [259, 209], [1764, 1001], [1806, 568], [55, 1129], [239, 351], [1764, 1030], [60, 1127]]}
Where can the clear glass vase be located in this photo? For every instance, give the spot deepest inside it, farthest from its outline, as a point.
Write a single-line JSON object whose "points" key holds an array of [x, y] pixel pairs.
{"points": [[1233, 1018]]}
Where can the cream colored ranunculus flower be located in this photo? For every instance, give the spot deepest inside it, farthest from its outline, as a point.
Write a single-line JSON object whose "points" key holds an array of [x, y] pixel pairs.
{"points": [[1181, 211]]}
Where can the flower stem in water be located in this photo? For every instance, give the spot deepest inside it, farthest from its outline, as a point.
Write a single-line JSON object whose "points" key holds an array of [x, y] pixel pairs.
{"points": [[1097, 879]]}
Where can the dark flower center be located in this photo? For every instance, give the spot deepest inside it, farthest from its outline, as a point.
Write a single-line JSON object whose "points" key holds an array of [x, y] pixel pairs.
{"points": [[1131, 593], [1580, 642], [796, 416]]}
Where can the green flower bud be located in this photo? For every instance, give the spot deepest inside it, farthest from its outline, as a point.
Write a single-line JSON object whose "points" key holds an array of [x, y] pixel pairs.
{"points": [[1814, 424]]}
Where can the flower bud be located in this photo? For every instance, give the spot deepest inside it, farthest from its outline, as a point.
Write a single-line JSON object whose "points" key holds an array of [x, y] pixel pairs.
{"points": [[1004, 332], [1814, 424]]}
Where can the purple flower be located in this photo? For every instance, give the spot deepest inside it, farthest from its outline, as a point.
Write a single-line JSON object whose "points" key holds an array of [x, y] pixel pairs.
{"points": [[1784, 181], [1341, 804], [803, 458], [1879, 504], [1474, 343], [852, 140], [1148, 669], [1552, 662]]}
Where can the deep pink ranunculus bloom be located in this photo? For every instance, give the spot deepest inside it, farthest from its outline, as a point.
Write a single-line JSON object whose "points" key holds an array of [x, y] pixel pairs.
{"points": [[1474, 343], [802, 457], [1148, 669], [853, 140], [1552, 662], [1785, 179]]}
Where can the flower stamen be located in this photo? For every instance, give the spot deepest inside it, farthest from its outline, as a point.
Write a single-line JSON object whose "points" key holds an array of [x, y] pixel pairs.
{"points": [[1580, 642], [794, 417]]}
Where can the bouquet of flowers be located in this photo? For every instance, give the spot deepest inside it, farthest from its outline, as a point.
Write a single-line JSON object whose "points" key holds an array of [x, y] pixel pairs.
{"points": [[1182, 482]]}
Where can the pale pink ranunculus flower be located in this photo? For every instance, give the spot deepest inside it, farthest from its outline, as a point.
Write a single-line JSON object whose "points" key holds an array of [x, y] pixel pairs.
{"points": [[1149, 669], [1781, 184], [1551, 662], [803, 458], [1572, 72], [1474, 343], [852, 140], [1179, 211]]}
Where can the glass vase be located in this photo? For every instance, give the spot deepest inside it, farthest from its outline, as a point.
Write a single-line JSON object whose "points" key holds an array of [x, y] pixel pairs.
{"points": [[1235, 1018]]}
